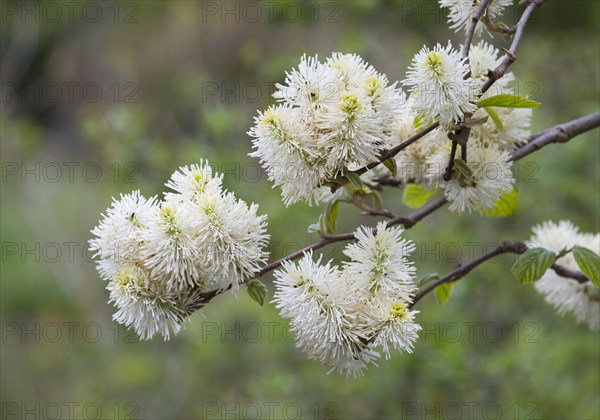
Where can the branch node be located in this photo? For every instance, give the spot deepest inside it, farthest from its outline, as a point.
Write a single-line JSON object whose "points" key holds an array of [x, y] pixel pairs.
{"points": [[510, 55]]}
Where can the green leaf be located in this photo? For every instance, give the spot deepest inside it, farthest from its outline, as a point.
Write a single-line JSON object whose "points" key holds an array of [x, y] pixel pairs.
{"points": [[322, 226], [427, 278], [377, 200], [532, 265], [391, 165], [494, 116], [506, 205], [443, 292], [354, 179], [331, 213], [474, 122], [418, 122], [414, 195], [257, 291], [506, 100], [589, 263], [463, 168]]}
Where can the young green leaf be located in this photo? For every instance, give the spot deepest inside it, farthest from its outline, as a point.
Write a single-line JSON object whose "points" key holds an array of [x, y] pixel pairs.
{"points": [[532, 265], [414, 195], [506, 205], [331, 213], [589, 263], [322, 225], [494, 116], [418, 122], [443, 292], [257, 291], [506, 100], [391, 165], [474, 122], [377, 200], [463, 168], [354, 179]]}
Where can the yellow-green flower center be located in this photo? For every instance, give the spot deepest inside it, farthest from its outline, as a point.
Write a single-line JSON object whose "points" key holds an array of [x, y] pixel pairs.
{"points": [[372, 85], [124, 278], [167, 214], [434, 62], [398, 310]]}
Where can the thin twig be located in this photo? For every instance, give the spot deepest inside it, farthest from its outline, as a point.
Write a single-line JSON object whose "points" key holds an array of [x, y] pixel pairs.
{"points": [[471, 30], [510, 57], [395, 150], [409, 221], [448, 172], [558, 134], [514, 247], [327, 240], [357, 201], [501, 29], [389, 181]]}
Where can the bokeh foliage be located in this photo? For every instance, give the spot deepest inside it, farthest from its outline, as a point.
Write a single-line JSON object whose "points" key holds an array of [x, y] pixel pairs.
{"points": [[161, 114]]}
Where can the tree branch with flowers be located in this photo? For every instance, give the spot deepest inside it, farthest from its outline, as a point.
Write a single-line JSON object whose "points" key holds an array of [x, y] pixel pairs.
{"points": [[341, 134]]}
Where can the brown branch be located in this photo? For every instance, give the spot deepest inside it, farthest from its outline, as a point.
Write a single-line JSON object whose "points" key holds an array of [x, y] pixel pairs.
{"points": [[326, 240], [397, 149], [510, 57], [448, 172], [471, 30], [502, 29], [409, 221], [465, 269], [514, 247], [561, 133], [389, 181], [567, 272], [366, 210]]}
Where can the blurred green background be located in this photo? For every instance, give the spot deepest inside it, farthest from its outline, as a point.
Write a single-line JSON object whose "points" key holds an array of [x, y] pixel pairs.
{"points": [[100, 98]]}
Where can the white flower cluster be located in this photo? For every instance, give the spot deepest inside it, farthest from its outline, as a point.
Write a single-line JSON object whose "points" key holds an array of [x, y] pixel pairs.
{"points": [[461, 12], [341, 315], [333, 117], [489, 176], [565, 294], [488, 150], [159, 256], [411, 162], [439, 90], [338, 116]]}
